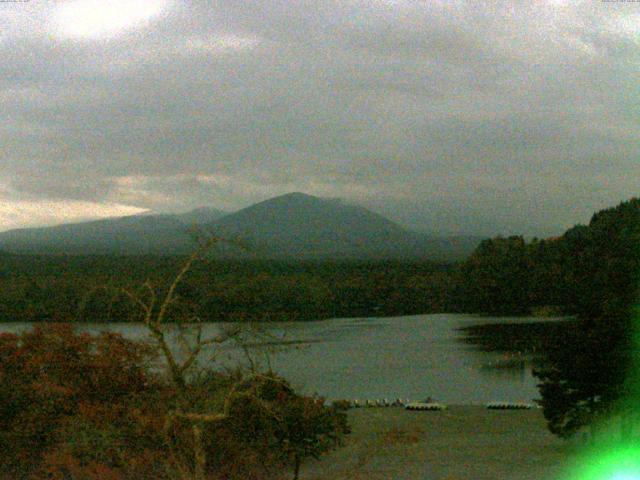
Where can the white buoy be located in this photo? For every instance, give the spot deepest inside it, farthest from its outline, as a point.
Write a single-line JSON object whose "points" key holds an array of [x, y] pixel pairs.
{"points": [[508, 406], [422, 406]]}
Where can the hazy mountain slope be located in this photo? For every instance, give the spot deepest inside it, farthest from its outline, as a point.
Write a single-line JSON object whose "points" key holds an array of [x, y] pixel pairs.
{"points": [[299, 225], [199, 216], [137, 234], [292, 226], [302, 224]]}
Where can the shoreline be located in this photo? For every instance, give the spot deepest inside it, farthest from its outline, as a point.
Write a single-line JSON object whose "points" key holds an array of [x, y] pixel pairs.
{"points": [[464, 442]]}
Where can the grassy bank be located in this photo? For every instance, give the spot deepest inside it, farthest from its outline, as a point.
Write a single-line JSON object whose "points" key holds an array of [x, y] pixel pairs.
{"points": [[461, 443]]}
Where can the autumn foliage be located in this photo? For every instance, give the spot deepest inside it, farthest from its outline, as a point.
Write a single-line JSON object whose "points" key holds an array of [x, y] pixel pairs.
{"points": [[277, 427], [71, 404], [80, 407]]}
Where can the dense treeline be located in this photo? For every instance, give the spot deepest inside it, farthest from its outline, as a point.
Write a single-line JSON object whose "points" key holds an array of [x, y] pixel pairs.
{"points": [[590, 375], [87, 288], [508, 276], [591, 272]]}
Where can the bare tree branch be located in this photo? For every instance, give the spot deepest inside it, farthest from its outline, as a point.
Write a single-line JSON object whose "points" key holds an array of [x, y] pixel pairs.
{"points": [[154, 319], [169, 297], [136, 299]]}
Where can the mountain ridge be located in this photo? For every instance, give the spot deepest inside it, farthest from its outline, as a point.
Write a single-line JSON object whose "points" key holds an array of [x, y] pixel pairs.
{"points": [[291, 226]]}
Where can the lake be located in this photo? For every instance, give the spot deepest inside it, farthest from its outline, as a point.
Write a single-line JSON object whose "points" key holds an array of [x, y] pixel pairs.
{"points": [[373, 358]]}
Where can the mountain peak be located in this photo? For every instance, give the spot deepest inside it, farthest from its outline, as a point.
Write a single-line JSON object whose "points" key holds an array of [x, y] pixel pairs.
{"points": [[308, 226], [307, 200], [296, 195]]}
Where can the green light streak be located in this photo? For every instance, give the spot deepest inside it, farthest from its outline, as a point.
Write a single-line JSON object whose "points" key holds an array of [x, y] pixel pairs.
{"points": [[619, 463], [613, 457]]}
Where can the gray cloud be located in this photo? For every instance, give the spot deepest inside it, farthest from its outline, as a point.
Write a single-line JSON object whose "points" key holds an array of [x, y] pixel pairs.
{"points": [[497, 117]]}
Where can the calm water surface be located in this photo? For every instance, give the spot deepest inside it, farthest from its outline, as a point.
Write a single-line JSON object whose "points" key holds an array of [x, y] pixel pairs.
{"points": [[373, 358]]}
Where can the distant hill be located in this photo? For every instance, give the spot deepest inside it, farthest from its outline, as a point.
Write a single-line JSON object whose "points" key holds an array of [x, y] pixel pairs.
{"points": [[297, 225], [199, 216], [132, 235], [291, 226]]}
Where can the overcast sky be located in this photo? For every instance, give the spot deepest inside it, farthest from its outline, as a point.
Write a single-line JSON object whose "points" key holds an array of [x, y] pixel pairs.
{"points": [[453, 117]]}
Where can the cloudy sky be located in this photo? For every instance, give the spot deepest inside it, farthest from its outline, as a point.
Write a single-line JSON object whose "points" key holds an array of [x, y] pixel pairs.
{"points": [[453, 117]]}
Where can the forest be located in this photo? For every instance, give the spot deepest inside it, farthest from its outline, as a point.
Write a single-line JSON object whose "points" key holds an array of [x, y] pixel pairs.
{"points": [[590, 271], [88, 288]]}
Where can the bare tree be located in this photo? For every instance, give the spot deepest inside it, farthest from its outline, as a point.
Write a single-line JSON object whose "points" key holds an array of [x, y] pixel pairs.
{"points": [[156, 311]]}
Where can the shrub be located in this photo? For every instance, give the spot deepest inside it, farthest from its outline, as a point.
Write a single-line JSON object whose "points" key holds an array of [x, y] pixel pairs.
{"points": [[282, 427], [67, 400], [82, 407]]}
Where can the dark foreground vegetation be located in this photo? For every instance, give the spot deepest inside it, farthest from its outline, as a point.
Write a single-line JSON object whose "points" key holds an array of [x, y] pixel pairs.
{"points": [[92, 408], [73, 406]]}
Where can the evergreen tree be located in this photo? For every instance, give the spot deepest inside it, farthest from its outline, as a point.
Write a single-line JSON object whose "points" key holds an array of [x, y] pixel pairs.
{"points": [[588, 373], [494, 280]]}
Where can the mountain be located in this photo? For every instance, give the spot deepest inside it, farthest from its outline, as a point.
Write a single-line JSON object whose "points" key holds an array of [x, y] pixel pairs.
{"points": [[131, 235], [302, 225], [297, 225], [199, 216], [291, 226]]}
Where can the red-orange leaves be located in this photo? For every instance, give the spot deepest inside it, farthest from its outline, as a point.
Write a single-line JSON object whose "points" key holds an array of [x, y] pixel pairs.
{"points": [[66, 401]]}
